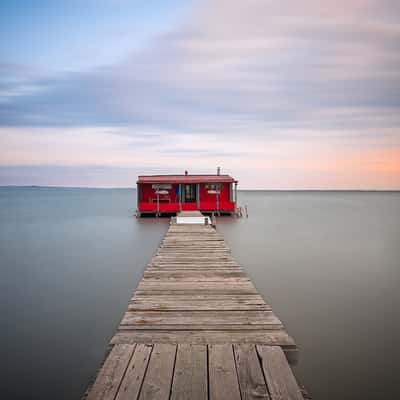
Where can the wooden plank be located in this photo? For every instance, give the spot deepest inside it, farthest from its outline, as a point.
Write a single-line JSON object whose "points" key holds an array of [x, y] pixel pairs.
{"points": [[190, 285], [192, 253], [195, 275], [194, 239], [199, 255], [256, 298], [190, 279], [195, 260], [193, 243], [195, 266], [227, 290], [171, 269], [239, 282], [209, 273], [202, 257], [234, 291], [199, 305], [251, 379], [202, 239], [197, 263], [195, 255], [192, 272], [222, 373], [191, 259], [203, 318], [261, 336], [197, 246], [215, 262], [197, 300], [227, 327], [171, 276], [190, 377], [198, 251], [110, 376], [194, 269], [173, 231], [170, 237], [245, 286], [199, 243], [182, 233], [132, 382], [195, 305], [157, 382], [200, 261], [281, 382]]}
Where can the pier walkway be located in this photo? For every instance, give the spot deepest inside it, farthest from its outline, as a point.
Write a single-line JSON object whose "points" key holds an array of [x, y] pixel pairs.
{"points": [[196, 328]]}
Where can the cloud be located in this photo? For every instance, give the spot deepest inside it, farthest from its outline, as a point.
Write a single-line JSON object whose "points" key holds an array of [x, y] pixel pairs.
{"points": [[232, 61], [293, 159], [257, 79]]}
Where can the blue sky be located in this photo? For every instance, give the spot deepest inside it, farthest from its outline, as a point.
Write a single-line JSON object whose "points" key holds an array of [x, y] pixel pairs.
{"points": [[301, 95], [79, 34]]}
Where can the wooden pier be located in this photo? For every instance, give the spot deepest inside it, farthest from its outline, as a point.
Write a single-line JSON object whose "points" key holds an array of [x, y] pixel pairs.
{"points": [[196, 328]]}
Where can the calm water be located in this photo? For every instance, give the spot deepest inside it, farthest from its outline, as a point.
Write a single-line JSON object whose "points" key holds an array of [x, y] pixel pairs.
{"points": [[329, 263]]}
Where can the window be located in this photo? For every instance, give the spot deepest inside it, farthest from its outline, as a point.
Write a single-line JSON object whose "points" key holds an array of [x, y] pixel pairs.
{"points": [[161, 186], [210, 186], [190, 193], [213, 186]]}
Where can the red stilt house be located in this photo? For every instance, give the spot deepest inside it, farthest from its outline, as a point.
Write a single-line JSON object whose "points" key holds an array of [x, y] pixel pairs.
{"points": [[169, 194]]}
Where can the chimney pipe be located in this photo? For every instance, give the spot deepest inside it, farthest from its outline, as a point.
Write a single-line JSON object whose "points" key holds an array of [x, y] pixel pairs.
{"points": [[218, 170]]}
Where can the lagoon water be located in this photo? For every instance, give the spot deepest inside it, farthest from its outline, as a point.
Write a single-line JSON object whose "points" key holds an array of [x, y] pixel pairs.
{"points": [[327, 262]]}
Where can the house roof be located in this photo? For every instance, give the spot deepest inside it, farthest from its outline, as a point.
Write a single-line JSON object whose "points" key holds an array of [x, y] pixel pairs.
{"points": [[185, 179]]}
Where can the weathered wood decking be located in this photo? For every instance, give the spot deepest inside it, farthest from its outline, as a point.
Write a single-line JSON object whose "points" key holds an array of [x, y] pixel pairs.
{"points": [[196, 328]]}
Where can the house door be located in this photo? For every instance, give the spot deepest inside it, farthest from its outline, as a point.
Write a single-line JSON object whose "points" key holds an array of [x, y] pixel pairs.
{"points": [[189, 193]]}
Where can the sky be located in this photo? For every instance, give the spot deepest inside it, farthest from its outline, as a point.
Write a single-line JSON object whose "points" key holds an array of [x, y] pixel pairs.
{"points": [[281, 95]]}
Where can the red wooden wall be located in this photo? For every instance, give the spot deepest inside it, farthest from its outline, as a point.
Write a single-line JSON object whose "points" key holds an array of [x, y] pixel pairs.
{"points": [[148, 198]]}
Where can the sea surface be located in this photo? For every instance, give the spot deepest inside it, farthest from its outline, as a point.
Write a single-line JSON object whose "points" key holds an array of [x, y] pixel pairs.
{"points": [[327, 262]]}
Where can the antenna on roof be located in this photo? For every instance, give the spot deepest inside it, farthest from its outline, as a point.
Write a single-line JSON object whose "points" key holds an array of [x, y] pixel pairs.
{"points": [[218, 170]]}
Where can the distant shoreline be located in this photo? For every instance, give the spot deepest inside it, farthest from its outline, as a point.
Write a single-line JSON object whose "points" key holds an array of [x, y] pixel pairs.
{"points": [[239, 190]]}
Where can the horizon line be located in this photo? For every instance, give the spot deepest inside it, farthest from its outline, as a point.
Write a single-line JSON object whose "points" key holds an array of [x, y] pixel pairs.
{"points": [[239, 190]]}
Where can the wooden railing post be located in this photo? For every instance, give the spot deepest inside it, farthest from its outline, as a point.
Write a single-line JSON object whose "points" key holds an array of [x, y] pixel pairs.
{"points": [[217, 196], [180, 196], [236, 194]]}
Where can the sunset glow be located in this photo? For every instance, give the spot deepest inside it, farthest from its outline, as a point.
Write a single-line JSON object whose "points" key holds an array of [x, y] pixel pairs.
{"points": [[296, 96]]}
